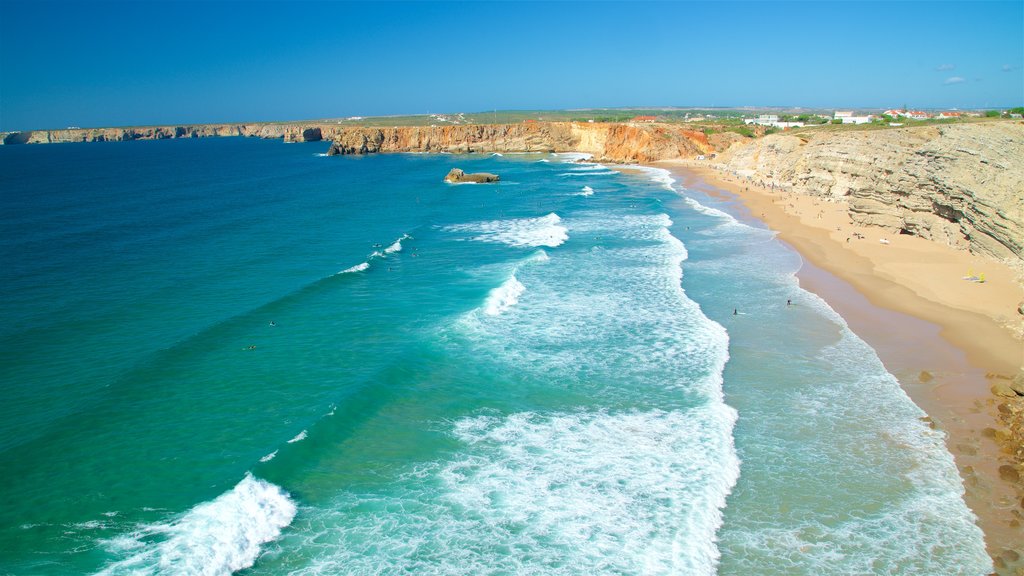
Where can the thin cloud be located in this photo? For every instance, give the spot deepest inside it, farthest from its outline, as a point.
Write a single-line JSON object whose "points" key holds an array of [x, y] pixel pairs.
{"points": [[1008, 68], [954, 80], [945, 67]]}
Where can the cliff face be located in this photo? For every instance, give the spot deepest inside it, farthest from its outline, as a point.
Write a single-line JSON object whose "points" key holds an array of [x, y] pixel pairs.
{"points": [[607, 142], [289, 132], [960, 184]]}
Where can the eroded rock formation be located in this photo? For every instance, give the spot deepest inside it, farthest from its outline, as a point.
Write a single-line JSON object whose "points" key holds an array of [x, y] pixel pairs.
{"points": [[960, 184], [607, 142], [457, 176]]}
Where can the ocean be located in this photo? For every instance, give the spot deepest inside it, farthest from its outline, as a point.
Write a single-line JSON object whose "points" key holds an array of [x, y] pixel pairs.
{"points": [[236, 355]]}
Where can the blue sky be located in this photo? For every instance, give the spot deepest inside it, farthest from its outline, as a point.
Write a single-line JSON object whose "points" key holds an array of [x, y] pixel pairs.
{"points": [[89, 63]]}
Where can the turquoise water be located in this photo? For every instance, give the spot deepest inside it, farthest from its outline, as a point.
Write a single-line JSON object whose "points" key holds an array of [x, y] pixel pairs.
{"points": [[235, 355]]}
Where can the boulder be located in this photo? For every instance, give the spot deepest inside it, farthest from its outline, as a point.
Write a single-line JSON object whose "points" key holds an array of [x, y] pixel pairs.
{"points": [[456, 176]]}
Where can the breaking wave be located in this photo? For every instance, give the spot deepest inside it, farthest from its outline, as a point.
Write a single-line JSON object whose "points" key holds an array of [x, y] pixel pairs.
{"points": [[216, 537], [521, 232]]}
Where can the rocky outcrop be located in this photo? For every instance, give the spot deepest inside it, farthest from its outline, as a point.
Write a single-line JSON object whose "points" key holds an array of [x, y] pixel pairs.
{"points": [[957, 184], [457, 176], [607, 142]]}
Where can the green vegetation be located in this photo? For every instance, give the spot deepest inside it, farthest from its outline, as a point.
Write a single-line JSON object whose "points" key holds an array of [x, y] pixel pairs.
{"points": [[993, 114], [805, 118]]}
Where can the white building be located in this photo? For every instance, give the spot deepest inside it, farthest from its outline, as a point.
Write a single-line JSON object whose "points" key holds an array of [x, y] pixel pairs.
{"points": [[771, 120], [847, 117]]}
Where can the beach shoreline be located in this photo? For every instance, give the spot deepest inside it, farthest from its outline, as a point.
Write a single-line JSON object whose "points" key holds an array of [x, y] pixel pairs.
{"points": [[945, 346]]}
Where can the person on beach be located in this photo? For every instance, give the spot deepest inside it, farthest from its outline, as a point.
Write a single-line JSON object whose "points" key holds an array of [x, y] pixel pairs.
{"points": [[734, 312]]}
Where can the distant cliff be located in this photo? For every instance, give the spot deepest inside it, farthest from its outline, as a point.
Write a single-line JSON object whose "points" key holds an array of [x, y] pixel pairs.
{"points": [[298, 132], [959, 184], [608, 142]]}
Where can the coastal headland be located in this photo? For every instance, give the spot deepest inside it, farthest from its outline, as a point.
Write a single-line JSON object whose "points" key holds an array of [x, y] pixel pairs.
{"points": [[915, 235]]}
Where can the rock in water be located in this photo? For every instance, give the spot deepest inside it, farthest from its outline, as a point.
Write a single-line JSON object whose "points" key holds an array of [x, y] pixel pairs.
{"points": [[456, 176]]}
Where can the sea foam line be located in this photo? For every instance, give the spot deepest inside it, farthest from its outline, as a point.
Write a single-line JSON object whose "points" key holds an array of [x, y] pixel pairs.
{"points": [[395, 246], [357, 268], [521, 232], [217, 537]]}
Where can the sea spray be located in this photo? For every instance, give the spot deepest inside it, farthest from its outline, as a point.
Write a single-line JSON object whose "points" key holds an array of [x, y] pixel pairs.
{"points": [[217, 537]]}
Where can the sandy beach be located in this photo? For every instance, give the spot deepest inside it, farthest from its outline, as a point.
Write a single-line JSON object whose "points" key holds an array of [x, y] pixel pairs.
{"points": [[946, 335]]}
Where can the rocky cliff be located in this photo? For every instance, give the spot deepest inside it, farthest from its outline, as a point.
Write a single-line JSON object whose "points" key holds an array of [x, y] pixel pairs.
{"points": [[607, 142], [960, 184], [289, 132]]}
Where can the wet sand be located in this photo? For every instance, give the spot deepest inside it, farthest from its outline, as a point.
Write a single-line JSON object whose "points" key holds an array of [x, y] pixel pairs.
{"points": [[946, 339]]}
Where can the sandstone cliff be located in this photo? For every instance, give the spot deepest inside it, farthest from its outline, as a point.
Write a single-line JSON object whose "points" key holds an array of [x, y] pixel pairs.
{"points": [[289, 132], [607, 142], [960, 184]]}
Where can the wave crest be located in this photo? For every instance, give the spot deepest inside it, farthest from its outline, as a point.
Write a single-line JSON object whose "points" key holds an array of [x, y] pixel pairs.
{"points": [[216, 537]]}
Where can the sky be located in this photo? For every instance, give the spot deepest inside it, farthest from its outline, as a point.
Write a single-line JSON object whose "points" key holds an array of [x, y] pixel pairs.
{"points": [[90, 63]]}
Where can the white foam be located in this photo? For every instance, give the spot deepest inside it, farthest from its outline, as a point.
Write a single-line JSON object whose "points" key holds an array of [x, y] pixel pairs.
{"points": [[213, 538], [496, 154], [320, 154], [715, 212], [269, 457], [521, 232], [544, 160], [504, 297], [587, 191], [356, 268], [396, 246], [590, 492], [572, 156], [590, 173], [610, 490], [301, 435], [659, 175]]}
